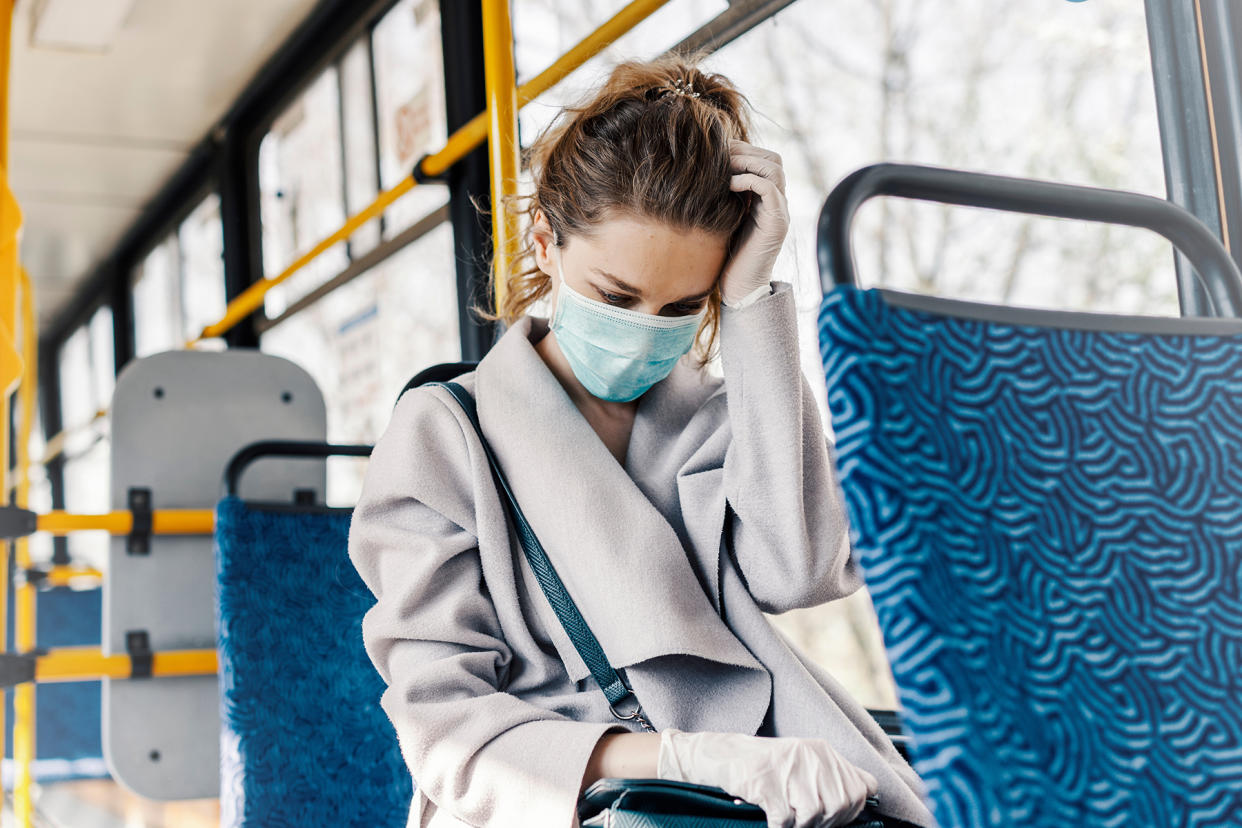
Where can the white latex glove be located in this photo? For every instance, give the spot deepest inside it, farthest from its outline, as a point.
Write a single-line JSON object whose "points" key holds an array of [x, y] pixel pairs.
{"points": [[762, 233], [799, 783]]}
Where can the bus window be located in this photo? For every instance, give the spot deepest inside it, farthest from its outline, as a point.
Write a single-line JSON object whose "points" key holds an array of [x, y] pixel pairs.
{"points": [[202, 267], [376, 332], [409, 96], [157, 300], [301, 189], [86, 371], [542, 28], [1066, 94], [358, 133]]}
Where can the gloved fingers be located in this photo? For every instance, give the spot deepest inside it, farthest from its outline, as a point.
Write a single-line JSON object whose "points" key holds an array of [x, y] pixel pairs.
{"points": [[855, 785], [873, 785], [808, 815], [770, 195], [778, 814], [844, 816], [769, 222], [741, 147], [771, 170]]}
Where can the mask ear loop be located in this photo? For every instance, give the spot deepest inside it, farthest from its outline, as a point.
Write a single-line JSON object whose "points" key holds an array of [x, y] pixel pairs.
{"points": [[560, 276]]}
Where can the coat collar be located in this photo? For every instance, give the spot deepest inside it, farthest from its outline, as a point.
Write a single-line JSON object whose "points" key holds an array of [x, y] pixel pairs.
{"points": [[621, 561]]}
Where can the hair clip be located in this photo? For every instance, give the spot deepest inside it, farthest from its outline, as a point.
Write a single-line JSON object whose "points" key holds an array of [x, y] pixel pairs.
{"points": [[681, 87]]}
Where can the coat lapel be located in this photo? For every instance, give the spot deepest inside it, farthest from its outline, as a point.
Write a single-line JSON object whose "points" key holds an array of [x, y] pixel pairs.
{"points": [[621, 561]]}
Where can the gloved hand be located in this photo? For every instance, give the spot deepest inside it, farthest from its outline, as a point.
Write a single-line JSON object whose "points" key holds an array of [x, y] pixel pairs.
{"points": [[763, 231], [799, 783]]}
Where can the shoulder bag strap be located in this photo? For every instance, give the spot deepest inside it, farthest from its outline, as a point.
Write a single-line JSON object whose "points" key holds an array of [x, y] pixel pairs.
{"points": [[584, 641]]}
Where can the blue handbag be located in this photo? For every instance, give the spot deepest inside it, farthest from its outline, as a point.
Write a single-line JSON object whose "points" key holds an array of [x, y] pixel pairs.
{"points": [[623, 803]]}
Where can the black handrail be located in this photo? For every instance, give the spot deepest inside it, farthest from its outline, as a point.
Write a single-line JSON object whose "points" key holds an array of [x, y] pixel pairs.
{"points": [[284, 448], [1215, 269]]}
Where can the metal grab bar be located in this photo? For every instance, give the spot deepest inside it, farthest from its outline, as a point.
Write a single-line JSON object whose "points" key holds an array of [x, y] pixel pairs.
{"points": [[284, 448], [1214, 268]]}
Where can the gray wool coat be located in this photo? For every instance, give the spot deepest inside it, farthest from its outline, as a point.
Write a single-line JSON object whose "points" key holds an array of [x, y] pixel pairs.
{"points": [[495, 711]]}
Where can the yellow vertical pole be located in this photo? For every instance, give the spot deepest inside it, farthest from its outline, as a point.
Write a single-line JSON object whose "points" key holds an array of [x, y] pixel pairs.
{"points": [[24, 628], [9, 224], [502, 139], [10, 372]]}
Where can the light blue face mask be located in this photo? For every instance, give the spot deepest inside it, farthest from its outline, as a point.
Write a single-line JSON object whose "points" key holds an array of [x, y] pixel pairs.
{"points": [[617, 354]]}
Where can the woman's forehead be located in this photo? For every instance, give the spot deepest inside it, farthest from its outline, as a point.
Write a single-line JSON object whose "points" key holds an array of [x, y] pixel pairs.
{"points": [[646, 255]]}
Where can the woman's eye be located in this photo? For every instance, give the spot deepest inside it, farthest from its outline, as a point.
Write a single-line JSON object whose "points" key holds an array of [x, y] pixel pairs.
{"points": [[687, 308], [613, 298]]}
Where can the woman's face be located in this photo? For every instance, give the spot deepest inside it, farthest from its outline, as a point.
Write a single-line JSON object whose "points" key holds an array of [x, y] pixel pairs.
{"points": [[636, 263]]}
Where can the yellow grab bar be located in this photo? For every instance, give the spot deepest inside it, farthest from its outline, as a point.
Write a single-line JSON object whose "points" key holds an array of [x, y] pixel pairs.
{"points": [[163, 522]]}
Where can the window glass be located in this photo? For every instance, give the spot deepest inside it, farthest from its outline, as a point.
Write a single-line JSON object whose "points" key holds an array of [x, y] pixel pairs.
{"points": [[77, 399], [1063, 94], [157, 300], [201, 237], [409, 91], [377, 332], [301, 185], [361, 163], [543, 30], [87, 480], [103, 361], [86, 448]]}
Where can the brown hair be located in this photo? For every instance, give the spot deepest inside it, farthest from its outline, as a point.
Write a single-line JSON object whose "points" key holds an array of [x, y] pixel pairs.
{"points": [[652, 142]]}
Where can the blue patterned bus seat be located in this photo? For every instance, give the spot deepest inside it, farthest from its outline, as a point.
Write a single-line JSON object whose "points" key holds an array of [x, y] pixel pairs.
{"points": [[67, 714], [1050, 524], [304, 741]]}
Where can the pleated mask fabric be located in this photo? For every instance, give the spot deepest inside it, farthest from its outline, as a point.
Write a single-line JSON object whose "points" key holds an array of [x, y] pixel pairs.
{"points": [[617, 353]]}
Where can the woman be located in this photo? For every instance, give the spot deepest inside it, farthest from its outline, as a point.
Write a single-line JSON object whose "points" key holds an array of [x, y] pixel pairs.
{"points": [[676, 508]]}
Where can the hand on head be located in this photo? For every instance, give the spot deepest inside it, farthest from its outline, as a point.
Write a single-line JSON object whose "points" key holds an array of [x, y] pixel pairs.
{"points": [[759, 239]]}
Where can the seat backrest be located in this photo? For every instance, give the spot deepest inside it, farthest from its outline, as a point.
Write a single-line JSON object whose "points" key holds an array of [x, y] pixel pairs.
{"points": [[304, 739], [67, 714], [443, 372], [1049, 518]]}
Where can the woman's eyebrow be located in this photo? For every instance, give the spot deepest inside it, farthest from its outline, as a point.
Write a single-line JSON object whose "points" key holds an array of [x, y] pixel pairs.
{"points": [[617, 283], [627, 288]]}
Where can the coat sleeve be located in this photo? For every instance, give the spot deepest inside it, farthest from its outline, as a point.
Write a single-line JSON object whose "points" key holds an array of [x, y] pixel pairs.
{"points": [[789, 531], [484, 755]]}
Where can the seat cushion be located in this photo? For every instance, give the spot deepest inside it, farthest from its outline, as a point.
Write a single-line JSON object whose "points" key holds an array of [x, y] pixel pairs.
{"points": [[304, 741], [1050, 524]]}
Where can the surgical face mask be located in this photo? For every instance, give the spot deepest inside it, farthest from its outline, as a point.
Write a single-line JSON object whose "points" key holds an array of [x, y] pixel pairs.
{"points": [[617, 354]]}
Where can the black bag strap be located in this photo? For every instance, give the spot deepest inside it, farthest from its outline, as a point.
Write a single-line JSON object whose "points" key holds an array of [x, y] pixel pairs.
{"points": [[567, 612]]}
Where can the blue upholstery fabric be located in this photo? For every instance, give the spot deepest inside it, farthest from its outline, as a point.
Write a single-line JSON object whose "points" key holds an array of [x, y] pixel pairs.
{"points": [[67, 715], [304, 741], [1050, 524]]}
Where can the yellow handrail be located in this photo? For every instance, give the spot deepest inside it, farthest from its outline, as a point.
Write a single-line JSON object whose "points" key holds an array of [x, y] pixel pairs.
{"points": [[61, 576], [89, 663], [121, 522], [498, 124], [502, 141], [12, 370], [26, 613], [55, 445], [460, 144]]}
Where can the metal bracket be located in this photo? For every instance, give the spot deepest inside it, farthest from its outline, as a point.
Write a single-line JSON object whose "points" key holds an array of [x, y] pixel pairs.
{"points": [[17, 523], [138, 645], [421, 177], [139, 540], [16, 668]]}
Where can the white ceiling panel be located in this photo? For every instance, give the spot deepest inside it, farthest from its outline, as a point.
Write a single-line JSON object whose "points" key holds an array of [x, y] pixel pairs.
{"points": [[96, 133]]}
